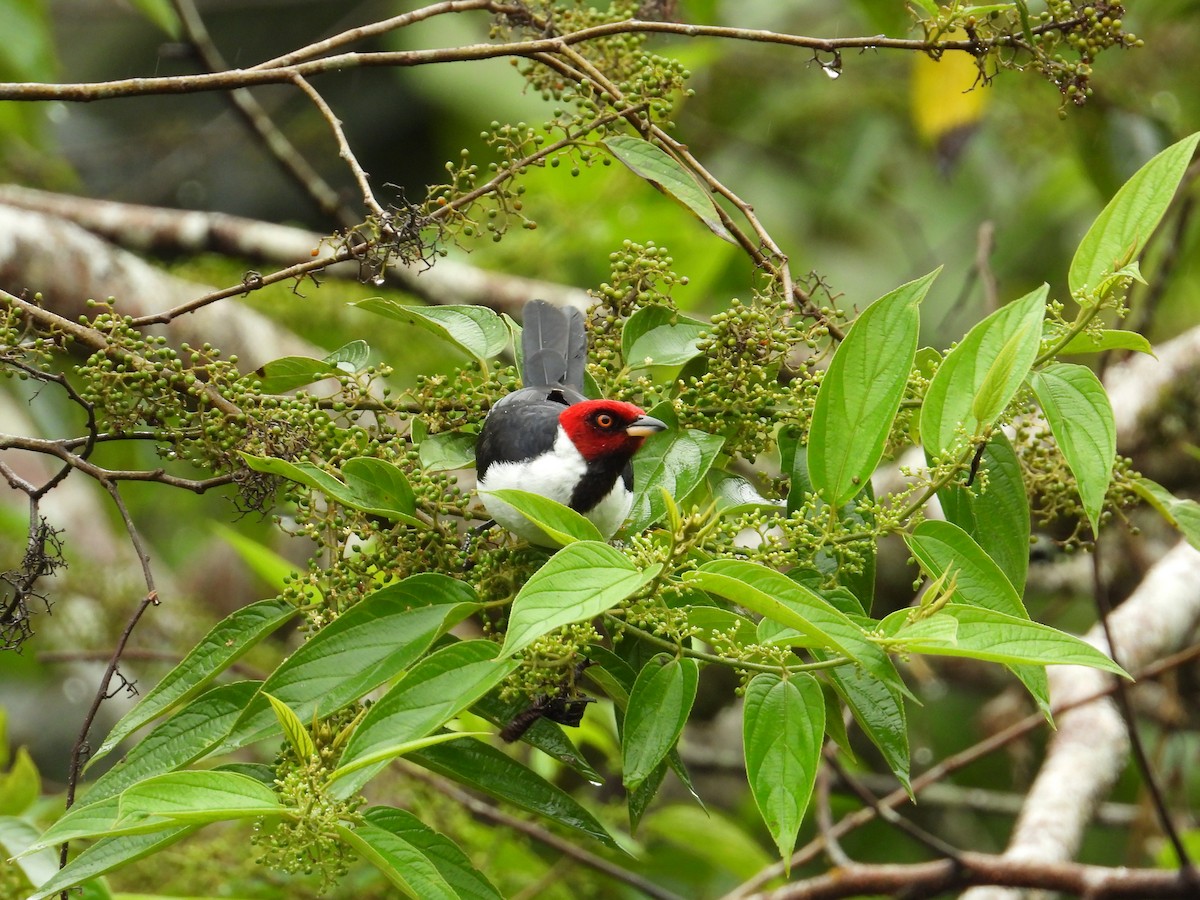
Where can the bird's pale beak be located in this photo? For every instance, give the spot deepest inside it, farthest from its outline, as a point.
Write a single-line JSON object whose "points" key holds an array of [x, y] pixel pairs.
{"points": [[645, 425]]}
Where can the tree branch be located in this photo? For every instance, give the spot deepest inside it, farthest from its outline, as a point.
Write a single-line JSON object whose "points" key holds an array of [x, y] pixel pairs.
{"points": [[928, 878]]}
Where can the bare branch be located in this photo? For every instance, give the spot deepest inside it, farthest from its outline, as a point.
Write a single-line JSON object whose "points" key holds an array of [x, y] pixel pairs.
{"points": [[375, 29], [929, 878], [344, 151], [77, 461], [272, 73]]}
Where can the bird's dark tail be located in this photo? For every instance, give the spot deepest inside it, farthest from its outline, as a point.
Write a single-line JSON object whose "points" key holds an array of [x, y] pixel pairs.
{"points": [[554, 345]]}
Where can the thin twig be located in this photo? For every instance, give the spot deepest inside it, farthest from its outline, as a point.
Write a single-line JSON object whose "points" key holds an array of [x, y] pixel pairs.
{"points": [[376, 29], [943, 876], [295, 273], [89, 441], [102, 692], [76, 461], [347, 155]]}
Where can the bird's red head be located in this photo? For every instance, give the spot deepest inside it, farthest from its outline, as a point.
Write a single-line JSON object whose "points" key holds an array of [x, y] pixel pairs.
{"points": [[601, 428]]}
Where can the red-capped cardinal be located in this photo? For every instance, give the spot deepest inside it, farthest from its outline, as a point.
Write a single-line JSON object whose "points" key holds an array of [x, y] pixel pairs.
{"points": [[548, 438]]}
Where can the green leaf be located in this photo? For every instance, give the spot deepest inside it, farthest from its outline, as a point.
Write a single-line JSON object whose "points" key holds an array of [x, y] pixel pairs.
{"points": [[484, 768], [1081, 419], [85, 821], [979, 633], [665, 173], [638, 800], [293, 729], [207, 796], [415, 858], [183, 738], [879, 711], [108, 855], [290, 372], [454, 865], [981, 375], [448, 450], [434, 691], [225, 644], [401, 863], [861, 391], [659, 336], [1121, 231], [162, 14], [675, 460], [379, 485], [1108, 339], [373, 486], [577, 583], [377, 638], [616, 677], [659, 706], [1181, 514], [475, 330], [997, 517], [561, 524], [783, 723], [941, 547]]}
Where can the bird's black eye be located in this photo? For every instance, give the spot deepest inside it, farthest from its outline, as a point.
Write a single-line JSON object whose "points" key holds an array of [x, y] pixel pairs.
{"points": [[604, 420]]}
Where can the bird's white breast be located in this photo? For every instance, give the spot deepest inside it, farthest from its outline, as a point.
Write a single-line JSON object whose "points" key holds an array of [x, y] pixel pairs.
{"points": [[552, 475]]}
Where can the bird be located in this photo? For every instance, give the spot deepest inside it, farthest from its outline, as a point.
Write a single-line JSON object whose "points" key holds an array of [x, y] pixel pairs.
{"points": [[548, 438]]}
